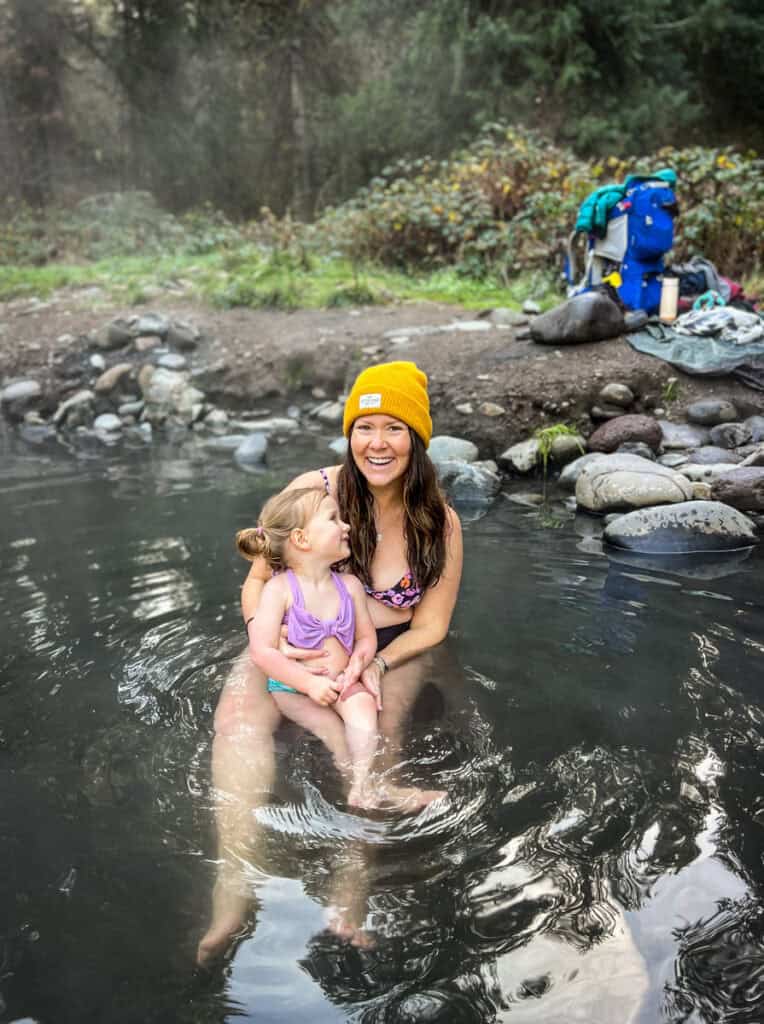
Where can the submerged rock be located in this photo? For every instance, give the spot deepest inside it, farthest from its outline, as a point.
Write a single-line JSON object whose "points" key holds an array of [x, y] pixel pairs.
{"points": [[615, 482], [252, 450], [572, 471], [690, 526], [470, 483]]}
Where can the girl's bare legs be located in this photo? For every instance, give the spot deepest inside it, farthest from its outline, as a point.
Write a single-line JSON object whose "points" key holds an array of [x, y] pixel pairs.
{"points": [[243, 768], [359, 713]]}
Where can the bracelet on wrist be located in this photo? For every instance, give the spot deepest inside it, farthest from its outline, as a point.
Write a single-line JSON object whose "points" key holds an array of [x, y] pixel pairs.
{"points": [[246, 624], [380, 662]]}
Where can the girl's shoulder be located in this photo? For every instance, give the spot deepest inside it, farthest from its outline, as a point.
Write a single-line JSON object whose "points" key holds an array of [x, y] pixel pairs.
{"points": [[352, 583]]}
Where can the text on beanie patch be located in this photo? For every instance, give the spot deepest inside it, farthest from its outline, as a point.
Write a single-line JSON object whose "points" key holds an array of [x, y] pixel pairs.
{"points": [[369, 401]]}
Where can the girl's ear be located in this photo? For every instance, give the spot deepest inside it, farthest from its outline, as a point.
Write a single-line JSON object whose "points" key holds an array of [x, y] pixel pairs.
{"points": [[299, 538]]}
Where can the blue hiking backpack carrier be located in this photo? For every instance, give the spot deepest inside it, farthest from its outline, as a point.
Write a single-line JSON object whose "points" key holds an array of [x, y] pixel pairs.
{"points": [[630, 229]]}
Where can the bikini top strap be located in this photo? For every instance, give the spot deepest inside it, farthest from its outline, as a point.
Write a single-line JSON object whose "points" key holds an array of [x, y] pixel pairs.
{"points": [[325, 478], [294, 586]]}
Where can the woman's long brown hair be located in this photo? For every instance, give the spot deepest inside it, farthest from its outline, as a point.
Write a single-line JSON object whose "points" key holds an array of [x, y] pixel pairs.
{"points": [[425, 517]]}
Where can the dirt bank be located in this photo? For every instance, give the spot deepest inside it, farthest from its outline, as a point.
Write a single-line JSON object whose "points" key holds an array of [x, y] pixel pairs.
{"points": [[248, 356]]}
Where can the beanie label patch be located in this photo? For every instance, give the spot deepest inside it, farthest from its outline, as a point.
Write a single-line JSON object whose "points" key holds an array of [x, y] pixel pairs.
{"points": [[370, 401]]}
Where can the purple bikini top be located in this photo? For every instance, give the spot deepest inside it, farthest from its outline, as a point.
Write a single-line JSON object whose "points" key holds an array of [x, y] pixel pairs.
{"points": [[306, 630]]}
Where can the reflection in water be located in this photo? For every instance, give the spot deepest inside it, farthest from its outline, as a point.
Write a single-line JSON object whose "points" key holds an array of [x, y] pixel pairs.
{"points": [[598, 726]]}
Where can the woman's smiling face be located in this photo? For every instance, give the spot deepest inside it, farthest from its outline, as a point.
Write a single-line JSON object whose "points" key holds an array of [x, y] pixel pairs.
{"points": [[381, 448]]}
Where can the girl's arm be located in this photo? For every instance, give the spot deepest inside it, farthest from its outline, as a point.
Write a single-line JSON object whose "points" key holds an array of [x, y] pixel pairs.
{"points": [[432, 616], [264, 634]]}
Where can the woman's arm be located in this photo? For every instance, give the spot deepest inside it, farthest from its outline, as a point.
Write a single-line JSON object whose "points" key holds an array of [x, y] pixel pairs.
{"points": [[432, 616], [365, 643], [265, 632]]}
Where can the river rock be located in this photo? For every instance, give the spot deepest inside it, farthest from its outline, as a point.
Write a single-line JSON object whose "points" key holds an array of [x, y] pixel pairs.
{"points": [[226, 442], [572, 471], [491, 409], [172, 361], [273, 425], [252, 450], [644, 451], [605, 412], [168, 393], [97, 362], [673, 459], [742, 487], [470, 483], [566, 447], [689, 526], [755, 457], [182, 336], [708, 454], [148, 324], [591, 316], [756, 425], [706, 471], [76, 410], [444, 448], [530, 307], [682, 435], [626, 481], [339, 446], [508, 318], [330, 413], [709, 412], [617, 394], [117, 335], [107, 423], [730, 435], [216, 419], [522, 456], [613, 434], [36, 433], [110, 378], [17, 397]]}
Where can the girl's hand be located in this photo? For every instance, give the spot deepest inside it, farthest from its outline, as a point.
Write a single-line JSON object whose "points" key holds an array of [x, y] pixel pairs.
{"points": [[302, 654], [371, 677], [324, 691]]}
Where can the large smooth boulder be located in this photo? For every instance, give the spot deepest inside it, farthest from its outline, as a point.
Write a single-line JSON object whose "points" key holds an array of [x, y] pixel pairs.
{"points": [[689, 526], [614, 433], [706, 471], [570, 473], [616, 482], [18, 397], [588, 317], [756, 425], [742, 487]]}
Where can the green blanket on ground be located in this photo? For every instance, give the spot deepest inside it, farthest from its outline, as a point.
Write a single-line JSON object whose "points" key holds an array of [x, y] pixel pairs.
{"points": [[701, 355]]}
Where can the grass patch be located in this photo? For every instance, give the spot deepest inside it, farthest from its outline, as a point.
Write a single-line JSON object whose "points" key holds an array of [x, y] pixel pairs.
{"points": [[250, 277]]}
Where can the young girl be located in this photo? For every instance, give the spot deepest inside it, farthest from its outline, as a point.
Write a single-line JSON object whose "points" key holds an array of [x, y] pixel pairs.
{"points": [[300, 531]]}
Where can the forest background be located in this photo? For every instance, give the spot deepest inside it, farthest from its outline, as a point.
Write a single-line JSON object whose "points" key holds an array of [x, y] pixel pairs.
{"points": [[443, 134]]}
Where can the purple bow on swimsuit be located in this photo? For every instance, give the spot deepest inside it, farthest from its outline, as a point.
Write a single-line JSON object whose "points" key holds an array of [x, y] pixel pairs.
{"points": [[306, 630]]}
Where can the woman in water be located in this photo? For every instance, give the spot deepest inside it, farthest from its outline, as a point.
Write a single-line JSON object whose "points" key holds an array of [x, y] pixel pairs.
{"points": [[406, 549]]}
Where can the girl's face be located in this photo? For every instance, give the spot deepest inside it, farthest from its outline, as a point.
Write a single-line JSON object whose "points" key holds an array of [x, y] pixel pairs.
{"points": [[326, 532], [381, 448]]}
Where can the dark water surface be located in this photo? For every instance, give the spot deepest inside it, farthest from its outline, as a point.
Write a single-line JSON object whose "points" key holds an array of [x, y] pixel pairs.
{"points": [[600, 731]]}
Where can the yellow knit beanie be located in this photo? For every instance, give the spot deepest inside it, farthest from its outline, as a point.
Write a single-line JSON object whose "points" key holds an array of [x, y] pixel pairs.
{"points": [[395, 389]]}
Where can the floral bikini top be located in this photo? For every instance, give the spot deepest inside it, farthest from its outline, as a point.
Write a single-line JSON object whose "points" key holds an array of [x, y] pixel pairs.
{"points": [[404, 594]]}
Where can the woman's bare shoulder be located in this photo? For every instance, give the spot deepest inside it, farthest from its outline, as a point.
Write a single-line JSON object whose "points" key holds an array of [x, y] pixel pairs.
{"points": [[314, 478]]}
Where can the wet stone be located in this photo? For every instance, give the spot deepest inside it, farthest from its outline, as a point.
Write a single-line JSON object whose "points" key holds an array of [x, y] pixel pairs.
{"points": [[682, 435], [692, 526], [442, 447], [619, 395], [711, 411], [731, 435], [709, 454], [613, 434], [637, 448], [756, 425]]}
